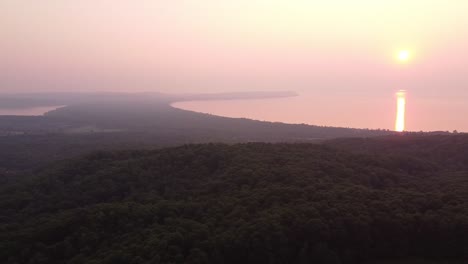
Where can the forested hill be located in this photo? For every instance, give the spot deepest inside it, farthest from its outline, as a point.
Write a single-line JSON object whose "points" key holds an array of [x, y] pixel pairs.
{"points": [[244, 203], [451, 151]]}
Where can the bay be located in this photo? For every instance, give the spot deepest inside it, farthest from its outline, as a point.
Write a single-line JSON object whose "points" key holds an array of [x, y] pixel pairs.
{"points": [[373, 112], [28, 111]]}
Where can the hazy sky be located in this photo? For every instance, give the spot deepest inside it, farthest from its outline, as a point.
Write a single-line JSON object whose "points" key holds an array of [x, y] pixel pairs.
{"points": [[233, 45], [327, 47]]}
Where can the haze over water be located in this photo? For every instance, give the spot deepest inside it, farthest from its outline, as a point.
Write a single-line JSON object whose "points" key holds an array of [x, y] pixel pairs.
{"points": [[344, 111], [339, 55], [27, 111]]}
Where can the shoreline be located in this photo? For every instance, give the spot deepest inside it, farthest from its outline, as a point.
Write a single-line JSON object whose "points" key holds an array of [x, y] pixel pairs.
{"points": [[29, 111]]}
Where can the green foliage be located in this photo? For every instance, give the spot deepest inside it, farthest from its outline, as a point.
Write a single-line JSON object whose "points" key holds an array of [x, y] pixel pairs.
{"points": [[244, 203]]}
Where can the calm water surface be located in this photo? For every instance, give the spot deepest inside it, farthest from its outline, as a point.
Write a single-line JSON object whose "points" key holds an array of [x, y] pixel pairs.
{"points": [[345, 111], [30, 111]]}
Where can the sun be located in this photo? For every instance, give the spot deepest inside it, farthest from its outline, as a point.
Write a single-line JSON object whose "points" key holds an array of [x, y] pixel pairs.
{"points": [[403, 55]]}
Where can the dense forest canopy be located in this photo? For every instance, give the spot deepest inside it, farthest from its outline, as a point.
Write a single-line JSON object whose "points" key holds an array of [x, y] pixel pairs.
{"points": [[344, 201]]}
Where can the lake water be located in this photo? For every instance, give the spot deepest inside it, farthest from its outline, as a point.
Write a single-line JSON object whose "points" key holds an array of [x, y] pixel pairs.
{"points": [[29, 111], [343, 111]]}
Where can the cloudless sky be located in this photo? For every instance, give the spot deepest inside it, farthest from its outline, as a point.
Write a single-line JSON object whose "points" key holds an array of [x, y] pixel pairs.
{"points": [[315, 47]]}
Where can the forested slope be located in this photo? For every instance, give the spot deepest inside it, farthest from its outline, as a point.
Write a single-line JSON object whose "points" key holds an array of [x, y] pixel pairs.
{"points": [[245, 203], [449, 151]]}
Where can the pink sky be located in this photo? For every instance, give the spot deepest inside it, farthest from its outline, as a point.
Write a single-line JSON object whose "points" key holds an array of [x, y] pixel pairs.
{"points": [[333, 48]]}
